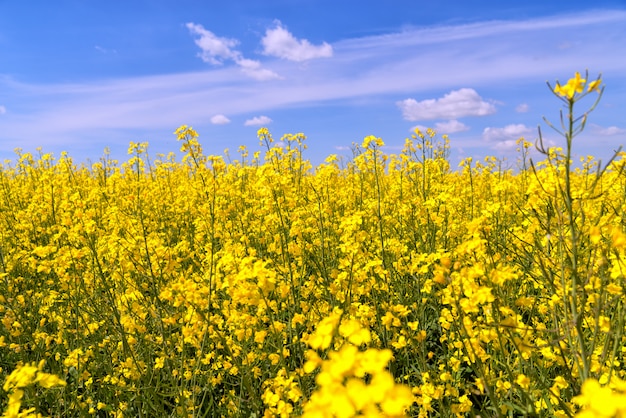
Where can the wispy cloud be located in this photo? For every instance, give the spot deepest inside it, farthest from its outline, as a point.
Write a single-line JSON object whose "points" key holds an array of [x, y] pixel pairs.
{"points": [[3, 110], [258, 120], [253, 69], [215, 50], [608, 131], [522, 108], [456, 104], [105, 50], [279, 42], [219, 120]]}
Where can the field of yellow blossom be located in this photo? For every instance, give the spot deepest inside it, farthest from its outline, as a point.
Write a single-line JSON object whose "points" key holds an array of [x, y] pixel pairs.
{"points": [[257, 285]]}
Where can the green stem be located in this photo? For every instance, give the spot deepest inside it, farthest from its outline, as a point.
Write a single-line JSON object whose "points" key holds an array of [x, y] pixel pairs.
{"points": [[569, 204]]}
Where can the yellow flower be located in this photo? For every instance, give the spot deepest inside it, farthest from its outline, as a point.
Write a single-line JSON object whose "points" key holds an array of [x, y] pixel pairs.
{"points": [[354, 332], [594, 85], [20, 377], [159, 362], [397, 400], [573, 86], [599, 401], [323, 335], [343, 392], [15, 402], [523, 381], [47, 380]]}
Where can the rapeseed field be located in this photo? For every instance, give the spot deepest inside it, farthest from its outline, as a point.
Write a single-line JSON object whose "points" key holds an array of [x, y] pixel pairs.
{"points": [[258, 285]]}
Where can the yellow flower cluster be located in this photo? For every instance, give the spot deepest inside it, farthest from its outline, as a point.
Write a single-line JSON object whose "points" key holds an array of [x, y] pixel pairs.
{"points": [[19, 379], [576, 85], [602, 401], [259, 285], [353, 382]]}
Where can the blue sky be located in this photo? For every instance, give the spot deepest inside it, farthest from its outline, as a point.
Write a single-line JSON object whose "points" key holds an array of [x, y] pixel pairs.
{"points": [[82, 75]]}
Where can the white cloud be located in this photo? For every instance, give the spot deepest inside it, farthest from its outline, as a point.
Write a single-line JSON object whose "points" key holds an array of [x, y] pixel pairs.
{"points": [[456, 104], [219, 120], [448, 127], [451, 127], [3, 110], [509, 132], [279, 42], [522, 108], [421, 128], [610, 131], [258, 120], [216, 49], [506, 145]]}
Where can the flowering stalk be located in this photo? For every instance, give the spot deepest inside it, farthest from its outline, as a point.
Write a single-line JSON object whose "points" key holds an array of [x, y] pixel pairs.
{"points": [[573, 225]]}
